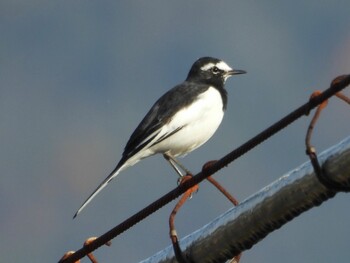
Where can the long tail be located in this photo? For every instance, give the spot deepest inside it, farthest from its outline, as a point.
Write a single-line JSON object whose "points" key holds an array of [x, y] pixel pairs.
{"points": [[109, 178]]}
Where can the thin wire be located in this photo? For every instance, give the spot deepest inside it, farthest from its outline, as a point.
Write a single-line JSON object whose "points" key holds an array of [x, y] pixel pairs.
{"points": [[337, 85]]}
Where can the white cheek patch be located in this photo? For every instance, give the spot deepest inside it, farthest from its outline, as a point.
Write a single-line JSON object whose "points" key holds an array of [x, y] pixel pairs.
{"points": [[207, 66], [223, 66]]}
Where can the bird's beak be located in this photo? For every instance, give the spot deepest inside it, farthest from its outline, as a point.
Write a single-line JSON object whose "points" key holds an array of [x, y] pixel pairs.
{"points": [[235, 72]]}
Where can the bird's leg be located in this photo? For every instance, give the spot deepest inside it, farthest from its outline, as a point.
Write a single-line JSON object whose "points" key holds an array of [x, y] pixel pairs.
{"points": [[176, 165], [173, 164]]}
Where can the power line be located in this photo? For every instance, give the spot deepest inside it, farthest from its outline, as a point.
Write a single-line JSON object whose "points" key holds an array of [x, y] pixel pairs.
{"points": [[243, 226]]}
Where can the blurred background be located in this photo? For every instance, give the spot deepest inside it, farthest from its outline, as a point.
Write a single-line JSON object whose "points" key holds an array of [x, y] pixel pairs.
{"points": [[76, 77]]}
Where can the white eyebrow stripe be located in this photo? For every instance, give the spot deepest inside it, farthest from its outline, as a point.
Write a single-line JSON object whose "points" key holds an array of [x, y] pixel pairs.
{"points": [[223, 66], [207, 66]]}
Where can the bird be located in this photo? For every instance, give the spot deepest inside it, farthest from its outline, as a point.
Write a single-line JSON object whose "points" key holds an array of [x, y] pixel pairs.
{"points": [[180, 121]]}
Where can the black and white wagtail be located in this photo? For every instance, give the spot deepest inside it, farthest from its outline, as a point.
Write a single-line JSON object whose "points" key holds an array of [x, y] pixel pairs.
{"points": [[181, 120]]}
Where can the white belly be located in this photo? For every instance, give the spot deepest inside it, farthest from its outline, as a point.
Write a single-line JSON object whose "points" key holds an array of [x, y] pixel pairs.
{"points": [[200, 121]]}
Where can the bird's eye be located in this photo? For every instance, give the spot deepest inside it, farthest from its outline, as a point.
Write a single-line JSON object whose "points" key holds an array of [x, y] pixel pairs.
{"points": [[215, 70]]}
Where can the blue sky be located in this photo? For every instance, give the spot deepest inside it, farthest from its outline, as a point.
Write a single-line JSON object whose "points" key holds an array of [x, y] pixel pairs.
{"points": [[76, 77]]}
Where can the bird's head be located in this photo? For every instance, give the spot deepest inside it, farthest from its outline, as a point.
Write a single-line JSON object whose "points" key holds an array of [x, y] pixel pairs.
{"points": [[211, 70]]}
